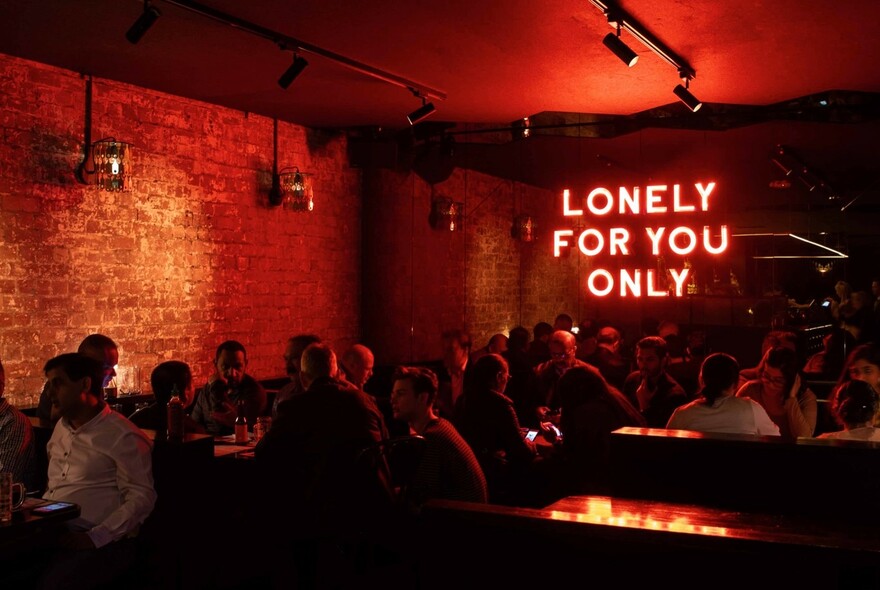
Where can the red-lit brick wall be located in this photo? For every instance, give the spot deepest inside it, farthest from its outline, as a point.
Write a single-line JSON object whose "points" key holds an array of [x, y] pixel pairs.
{"points": [[419, 281], [191, 256]]}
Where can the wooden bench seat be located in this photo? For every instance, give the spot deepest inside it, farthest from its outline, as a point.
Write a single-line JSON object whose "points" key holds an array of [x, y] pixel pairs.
{"points": [[814, 477]]}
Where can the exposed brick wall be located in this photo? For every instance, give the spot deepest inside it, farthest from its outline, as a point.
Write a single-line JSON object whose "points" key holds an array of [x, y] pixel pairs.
{"points": [[419, 281], [192, 255]]}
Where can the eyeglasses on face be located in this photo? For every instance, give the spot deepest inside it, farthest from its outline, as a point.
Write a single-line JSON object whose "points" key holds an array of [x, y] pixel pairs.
{"points": [[778, 381]]}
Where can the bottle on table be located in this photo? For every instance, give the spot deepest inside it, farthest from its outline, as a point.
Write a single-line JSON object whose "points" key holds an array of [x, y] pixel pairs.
{"points": [[262, 427], [111, 391], [175, 416], [240, 427]]}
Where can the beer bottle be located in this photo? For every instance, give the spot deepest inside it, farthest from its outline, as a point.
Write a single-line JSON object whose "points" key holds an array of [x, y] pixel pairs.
{"points": [[241, 431]]}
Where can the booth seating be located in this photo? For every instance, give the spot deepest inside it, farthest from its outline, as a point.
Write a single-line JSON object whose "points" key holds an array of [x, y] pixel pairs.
{"points": [[687, 509], [817, 477]]}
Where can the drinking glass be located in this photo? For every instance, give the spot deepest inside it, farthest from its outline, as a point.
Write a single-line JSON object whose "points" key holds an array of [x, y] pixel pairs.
{"points": [[130, 378], [8, 503]]}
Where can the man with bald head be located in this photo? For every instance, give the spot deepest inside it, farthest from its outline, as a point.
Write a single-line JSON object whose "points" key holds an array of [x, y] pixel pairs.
{"points": [[357, 365], [292, 356], [562, 345], [313, 452]]}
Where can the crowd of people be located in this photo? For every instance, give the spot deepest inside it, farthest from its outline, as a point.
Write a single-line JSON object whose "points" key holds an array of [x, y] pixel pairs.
{"points": [[573, 385]]}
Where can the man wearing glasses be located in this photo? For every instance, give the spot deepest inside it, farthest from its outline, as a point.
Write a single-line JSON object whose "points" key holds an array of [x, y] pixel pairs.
{"points": [[562, 347]]}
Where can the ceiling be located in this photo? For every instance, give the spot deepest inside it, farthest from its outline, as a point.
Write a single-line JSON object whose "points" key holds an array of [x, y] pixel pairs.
{"points": [[496, 61]]}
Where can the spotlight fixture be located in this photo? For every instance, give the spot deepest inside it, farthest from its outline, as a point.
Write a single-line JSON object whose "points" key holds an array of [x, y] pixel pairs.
{"points": [[295, 69], [685, 96], [146, 20], [284, 41], [794, 167], [423, 112], [620, 49]]}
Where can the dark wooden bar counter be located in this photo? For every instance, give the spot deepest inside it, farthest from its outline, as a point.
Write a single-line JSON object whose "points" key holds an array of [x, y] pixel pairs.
{"points": [[623, 542]]}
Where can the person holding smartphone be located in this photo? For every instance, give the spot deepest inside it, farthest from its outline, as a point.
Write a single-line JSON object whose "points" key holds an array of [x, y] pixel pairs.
{"points": [[778, 388]]}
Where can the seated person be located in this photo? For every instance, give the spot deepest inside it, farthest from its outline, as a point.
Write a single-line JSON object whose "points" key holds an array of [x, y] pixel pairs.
{"points": [[448, 468], [855, 405], [95, 346], [486, 419], [312, 453], [216, 403], [101, 461], [718, 409], [778, 389], [651, 389], [497, 344], [356, 365], [772, 339], [828, 363], [17, 454], [165, 379], [563, 351], [292, 356], [608, 358], [591, 410]]}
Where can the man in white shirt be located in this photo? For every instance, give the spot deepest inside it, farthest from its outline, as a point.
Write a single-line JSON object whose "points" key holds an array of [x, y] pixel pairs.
{"points": [[102, 462]]}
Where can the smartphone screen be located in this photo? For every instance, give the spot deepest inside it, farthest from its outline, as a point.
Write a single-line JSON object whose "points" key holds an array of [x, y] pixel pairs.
{"points": [[531, 435], [54, 507]]}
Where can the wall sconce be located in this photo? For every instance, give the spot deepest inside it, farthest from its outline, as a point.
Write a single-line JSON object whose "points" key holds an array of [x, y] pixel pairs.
{"points": [[290, 188], [296, 190], [446, 214], [107, 164], [823, 268], [523, 228]]}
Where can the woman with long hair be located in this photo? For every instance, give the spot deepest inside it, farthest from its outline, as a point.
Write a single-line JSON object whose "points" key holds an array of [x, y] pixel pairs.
{"points": [[718, 409], [778, 388]]}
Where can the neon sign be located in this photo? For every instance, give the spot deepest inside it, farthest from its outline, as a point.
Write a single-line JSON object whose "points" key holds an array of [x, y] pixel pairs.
{"points": [[659, 199]]}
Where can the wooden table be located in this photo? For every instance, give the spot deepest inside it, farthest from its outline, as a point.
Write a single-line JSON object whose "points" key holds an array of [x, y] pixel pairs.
{"points": [[26, 527]]}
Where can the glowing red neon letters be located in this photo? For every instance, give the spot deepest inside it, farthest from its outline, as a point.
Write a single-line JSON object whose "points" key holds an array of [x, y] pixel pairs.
{"points": [[656, 199]]}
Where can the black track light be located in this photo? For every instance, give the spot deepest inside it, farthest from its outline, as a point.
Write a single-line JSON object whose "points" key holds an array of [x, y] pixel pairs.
{"points": [[295, 69], [620, 49], [685, 96], [424, 111], [146, 20]]}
